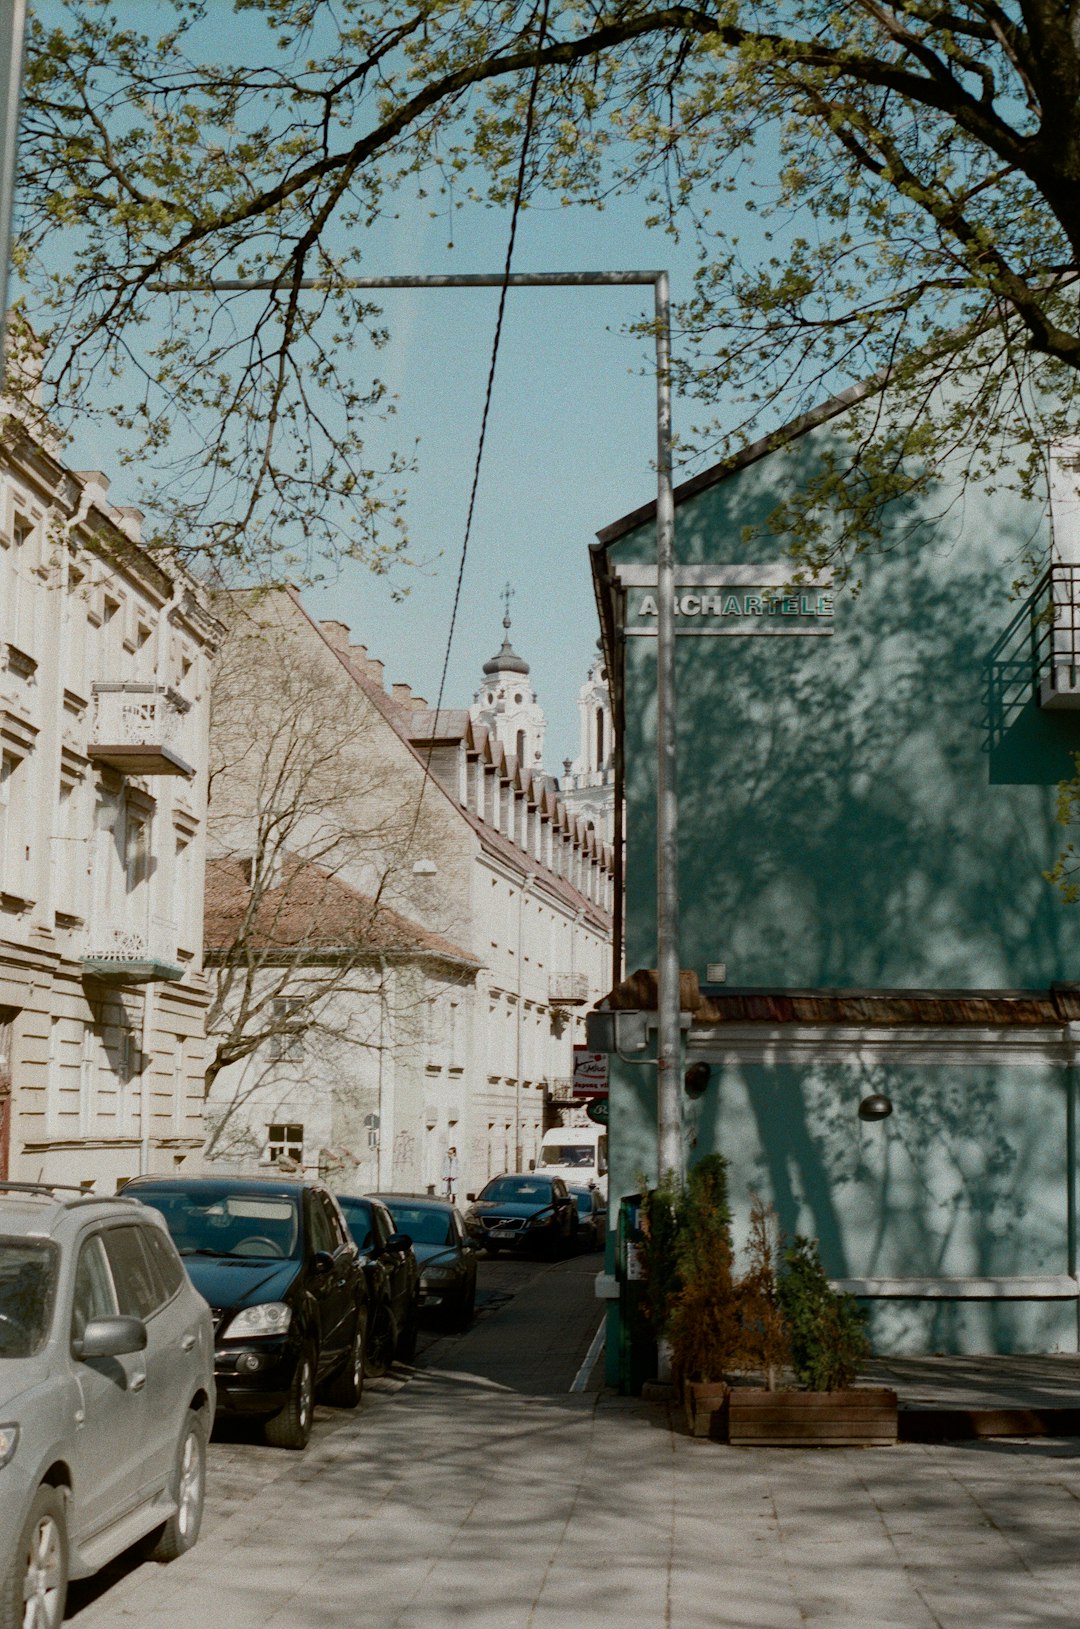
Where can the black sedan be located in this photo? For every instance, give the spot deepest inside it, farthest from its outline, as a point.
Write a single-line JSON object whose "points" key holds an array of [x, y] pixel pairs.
{"points": [[274, 1259], [393, 1282], [445, 1253], [524, 1212]]}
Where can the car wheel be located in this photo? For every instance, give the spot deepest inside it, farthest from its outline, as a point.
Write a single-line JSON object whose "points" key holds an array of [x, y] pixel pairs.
{"points": [[35, 1589], [406, 1346], [347, 1386], [189, 1490], [291, 1428], [380, 1346]]}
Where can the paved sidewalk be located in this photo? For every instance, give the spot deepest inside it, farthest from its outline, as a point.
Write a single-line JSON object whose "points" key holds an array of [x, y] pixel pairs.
{"points": [[460, 1501]]}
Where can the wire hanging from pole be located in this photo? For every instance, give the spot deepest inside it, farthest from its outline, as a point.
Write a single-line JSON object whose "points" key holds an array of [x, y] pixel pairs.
{"points": [[519, 189]]}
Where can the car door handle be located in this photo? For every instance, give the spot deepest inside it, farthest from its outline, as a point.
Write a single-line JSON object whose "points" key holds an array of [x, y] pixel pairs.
{"points": [[187, 1343]]}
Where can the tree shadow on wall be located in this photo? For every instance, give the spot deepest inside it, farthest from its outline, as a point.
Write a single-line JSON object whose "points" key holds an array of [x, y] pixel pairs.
{"points": [[844, 825]]}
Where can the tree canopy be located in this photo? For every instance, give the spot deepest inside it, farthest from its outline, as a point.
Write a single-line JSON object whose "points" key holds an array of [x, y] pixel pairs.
{"points": [[915, 194]]}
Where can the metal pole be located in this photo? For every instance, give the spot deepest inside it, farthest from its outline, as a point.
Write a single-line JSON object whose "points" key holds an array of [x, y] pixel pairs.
{"points": [[12, 32], [669, 1137], [669, 1131]]}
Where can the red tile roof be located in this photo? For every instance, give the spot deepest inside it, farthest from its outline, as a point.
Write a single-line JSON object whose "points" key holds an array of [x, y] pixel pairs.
{"points": [[312, 910]]}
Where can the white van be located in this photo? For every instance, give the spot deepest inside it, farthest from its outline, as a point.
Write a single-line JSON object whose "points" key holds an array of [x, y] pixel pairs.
{"points": [[578, 1154]]}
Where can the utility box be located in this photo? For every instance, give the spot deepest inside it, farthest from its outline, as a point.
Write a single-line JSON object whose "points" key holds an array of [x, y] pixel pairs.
{"points": [[637, 1339]]}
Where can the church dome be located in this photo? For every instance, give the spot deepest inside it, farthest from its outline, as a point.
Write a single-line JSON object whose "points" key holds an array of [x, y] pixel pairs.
{"points": [[507, 659]]}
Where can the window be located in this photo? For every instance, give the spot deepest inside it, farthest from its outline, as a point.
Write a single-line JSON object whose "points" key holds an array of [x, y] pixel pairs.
{"points": [[371, 1126], [94, 1294], [170, 1269], [136, 849], [283, 1139], [288, 1040], [322, 1233], [8, 765], [137, 1288]]}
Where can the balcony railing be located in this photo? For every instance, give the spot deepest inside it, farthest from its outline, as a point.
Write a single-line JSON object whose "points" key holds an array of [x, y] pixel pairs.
{"points": [[139, 729], [561, 1089], [568, 989], [1055, 637], [128, 956]]}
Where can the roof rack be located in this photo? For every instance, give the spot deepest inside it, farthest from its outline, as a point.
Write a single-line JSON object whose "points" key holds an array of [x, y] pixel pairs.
{"points": [[41, 1187], [54, 1190]]}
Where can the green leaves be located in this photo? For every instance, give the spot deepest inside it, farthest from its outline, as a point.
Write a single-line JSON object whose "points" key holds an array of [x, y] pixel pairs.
{"points": [[908, 174]]}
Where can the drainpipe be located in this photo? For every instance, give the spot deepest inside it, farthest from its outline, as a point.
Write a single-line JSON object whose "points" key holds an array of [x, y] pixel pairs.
{"points": [[525, 886], [145, 1059], [1072, 1038]]}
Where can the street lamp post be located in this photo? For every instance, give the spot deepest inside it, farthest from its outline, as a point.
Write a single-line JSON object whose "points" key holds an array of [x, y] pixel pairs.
{"points": [[669, 1132]]}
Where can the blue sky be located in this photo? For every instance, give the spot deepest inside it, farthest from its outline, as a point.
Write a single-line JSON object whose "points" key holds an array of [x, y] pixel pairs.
{"points": [[570, 446]]}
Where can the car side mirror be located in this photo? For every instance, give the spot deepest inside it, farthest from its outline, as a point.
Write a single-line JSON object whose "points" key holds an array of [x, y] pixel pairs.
{"points": [[323, 1262], [109, 1337], [470, 1197], [399, 1241]]}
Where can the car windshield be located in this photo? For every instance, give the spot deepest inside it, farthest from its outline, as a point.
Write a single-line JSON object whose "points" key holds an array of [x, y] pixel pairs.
{"points": [[424, 1225], [584, 1200], [577, 1154], [27, 1289], [229, 1222], [518, 1190]]}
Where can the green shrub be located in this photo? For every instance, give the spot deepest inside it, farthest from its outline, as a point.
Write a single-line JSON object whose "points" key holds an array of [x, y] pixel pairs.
{"points": [[825, 1330]]}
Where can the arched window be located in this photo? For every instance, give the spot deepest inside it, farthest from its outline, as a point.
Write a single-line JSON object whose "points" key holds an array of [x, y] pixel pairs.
{"points": [[599, 738], [520, 746]]}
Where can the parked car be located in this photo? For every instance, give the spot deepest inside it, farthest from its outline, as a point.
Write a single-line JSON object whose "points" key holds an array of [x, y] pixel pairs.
{"points": [[523, 1211], [275, 1260], [445, 1253], [106, 1394], [592, 1215], [393, 1282]]}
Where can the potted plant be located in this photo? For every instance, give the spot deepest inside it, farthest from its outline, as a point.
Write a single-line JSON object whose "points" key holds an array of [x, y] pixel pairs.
{"points": [[779, 1323]]}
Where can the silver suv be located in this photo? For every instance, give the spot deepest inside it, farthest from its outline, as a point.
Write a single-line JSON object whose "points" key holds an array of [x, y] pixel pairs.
{"points": [[106, 1393]]}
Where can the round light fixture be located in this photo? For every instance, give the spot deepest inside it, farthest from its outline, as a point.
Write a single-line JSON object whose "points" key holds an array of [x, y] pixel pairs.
{"points": [[875, 1107]]}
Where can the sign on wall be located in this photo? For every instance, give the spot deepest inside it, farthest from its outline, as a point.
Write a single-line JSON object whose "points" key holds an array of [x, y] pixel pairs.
{"points": [[590, 1073], [732, 599]]}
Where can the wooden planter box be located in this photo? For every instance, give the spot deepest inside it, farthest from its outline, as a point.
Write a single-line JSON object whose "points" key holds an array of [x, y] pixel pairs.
{"points": [[861, 1418], [706, 1407]]}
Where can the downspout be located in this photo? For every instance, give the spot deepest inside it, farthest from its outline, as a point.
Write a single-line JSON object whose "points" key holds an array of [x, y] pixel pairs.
{"points": [[145, 1062], [1072, 1037]]}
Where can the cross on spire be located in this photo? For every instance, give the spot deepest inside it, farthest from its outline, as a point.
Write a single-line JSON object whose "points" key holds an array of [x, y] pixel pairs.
{"points": [[506, 596]]}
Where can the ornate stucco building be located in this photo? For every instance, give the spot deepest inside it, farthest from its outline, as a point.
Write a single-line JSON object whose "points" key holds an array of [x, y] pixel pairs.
{"points": [[104, 654]]}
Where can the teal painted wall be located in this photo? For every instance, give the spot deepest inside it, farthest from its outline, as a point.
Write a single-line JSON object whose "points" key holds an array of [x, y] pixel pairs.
{"points": [[873, 809], [860, 809]]}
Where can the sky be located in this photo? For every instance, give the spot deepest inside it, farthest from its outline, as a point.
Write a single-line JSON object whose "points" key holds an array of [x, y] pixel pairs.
{"points": [[570, 445]]}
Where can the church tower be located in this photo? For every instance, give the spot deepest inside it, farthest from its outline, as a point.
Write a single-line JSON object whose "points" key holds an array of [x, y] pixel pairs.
{"points": [[506, 703], [588, 784]]}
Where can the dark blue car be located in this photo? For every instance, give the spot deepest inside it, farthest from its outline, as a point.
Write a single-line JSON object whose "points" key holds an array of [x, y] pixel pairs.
{"points": [[275, 1260]]}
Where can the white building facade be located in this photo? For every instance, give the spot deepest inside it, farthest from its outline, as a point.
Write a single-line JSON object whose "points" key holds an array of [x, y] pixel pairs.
{"points": [[507, 902], [587, 784], [104, 654]]}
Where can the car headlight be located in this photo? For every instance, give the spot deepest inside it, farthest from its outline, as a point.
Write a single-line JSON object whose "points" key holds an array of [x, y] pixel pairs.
{"points": [[544, 1218], [438, 1275], [9, 1441], [268, 1318]]}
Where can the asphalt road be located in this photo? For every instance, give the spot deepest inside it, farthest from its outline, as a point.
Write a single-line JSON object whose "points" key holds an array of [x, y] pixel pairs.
{"points": [[537, 1350]]}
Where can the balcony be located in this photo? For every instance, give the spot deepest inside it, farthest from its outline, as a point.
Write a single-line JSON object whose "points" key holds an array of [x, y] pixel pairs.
{"points": [[137, 729], [1055, 638], [561, 1089], [568, 989], [128, 956]]}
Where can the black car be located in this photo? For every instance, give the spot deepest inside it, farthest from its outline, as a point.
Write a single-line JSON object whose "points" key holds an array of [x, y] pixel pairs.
{"points": [[286, 1288], [523, 1212], [393, 1282], [445, 1253]]}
